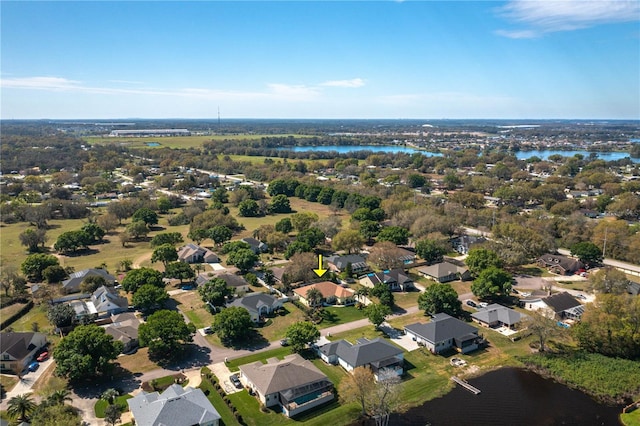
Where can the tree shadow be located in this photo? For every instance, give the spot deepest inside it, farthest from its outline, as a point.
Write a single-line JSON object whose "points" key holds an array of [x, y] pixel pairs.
{"points": [[124, 381], [252, 343], [329, 316], [191, 356], [80, 253]]}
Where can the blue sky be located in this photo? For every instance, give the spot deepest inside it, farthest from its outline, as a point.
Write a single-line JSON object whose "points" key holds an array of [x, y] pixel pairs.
{"points": [[332, 59]]}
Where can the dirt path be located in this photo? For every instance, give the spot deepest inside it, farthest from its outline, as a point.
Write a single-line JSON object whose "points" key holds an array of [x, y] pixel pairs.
{"points": [[145, 257]]}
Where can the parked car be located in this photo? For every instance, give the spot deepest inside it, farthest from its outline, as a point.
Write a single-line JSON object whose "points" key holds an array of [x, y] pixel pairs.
{"points": [[207, 330], [471, 303], [483, 304], [284, 342], [236, 381], [33, 366], [581, 297], [43, 356]]}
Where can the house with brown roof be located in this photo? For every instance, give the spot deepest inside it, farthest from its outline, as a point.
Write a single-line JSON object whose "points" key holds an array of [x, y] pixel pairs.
{"points": [[192, 253], [18, 349], [124, 327], [294, 384], [559, 264], [331, 293]]}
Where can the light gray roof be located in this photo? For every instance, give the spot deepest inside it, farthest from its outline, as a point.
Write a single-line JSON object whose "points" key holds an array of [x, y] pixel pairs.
{"points": [[174, 407], [366, 352], [442, 269], [254, 301], [75, 279], [107, 299], [443, 327], [496, 312], [292, 372]]}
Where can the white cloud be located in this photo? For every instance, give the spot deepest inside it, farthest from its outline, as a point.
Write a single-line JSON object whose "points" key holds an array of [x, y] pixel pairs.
{"points": [[353, 83], [540, 17], [42, 83]]}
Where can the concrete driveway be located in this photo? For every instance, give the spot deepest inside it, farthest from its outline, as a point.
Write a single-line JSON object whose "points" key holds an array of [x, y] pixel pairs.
{"points": [[28, 380], [398, 338], [222, 373]]}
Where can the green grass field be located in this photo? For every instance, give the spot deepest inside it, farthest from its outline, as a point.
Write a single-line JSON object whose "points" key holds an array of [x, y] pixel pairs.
{"points": [[102, 405], [631, 419], [178, 141]]}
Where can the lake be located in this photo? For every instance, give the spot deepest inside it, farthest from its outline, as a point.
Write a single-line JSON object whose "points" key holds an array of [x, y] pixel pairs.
{"points": [[511, 396], [522, 155]]}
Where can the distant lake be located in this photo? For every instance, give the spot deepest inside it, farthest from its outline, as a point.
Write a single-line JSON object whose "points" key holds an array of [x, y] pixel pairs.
{"points": [[545, 154], [511, 396]]}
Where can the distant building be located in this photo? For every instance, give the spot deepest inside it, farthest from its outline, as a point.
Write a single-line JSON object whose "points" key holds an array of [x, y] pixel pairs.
{"points": [[149, 133]]}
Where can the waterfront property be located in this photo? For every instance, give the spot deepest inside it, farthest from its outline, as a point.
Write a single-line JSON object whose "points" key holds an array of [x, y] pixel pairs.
{"points": [[496, 316], [443, 333], [560, 306], [293, 384]]}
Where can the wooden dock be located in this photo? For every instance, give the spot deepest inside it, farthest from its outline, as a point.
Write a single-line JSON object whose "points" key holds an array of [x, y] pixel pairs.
{"points": [[466, 385]]}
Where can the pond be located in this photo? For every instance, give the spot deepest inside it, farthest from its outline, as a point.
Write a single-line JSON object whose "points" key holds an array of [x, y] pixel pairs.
{"points": [[511, 396]]}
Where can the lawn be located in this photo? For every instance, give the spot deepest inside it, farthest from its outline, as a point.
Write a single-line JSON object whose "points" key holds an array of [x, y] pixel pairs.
{"points": [[406, 300], [101, 405], [8, 382], [191, 304], [631, 419], [37, 314], [333, 315], [138, 362], [277, 326], [214, 397], [177, 141], [7, 311]]}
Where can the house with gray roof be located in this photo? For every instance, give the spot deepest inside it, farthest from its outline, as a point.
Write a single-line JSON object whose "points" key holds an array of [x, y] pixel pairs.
{"points": [[294, 384], [18, 349], [72, 284], [444, 272], [395, 279], [443, 333], [339, 263], [173, 407], [124, 327], [192, 253], [496, 315], [258, 304], [256, 245], [559, 264], [376, 354]]}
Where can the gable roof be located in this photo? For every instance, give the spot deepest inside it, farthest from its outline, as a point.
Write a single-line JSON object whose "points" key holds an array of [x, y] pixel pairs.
{"points": [[18, 345], [75, 279], [189, 250], [561, 301], [341, 262], [107, 299], [442, 327], [442, 269], [175, 406], [254, 243], [254, 301], [633, 288], [366, 352], [566, 263], [293, 371], [496, 312], [392, 276], [327, 288], [232, 280]]}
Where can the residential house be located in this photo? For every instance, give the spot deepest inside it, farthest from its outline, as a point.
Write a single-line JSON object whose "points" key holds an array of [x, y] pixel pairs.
{"points": [[102, 303], [175, 406], [561, 265], [396, 279], [465, 243], [376, 354], [124, 327], [558, 306], [496, 315], [258, 304], [443, 333], [192, 253], [331, 293], [72, 284], [294, 384], [444, 272], [633, 288], [278, 273], [237, 282], [339, 263], [18, 349], [406, 256], [256, 245]]}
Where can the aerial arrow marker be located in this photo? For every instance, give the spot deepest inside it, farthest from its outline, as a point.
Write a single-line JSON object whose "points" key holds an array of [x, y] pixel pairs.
{"points": [[320, 271]]}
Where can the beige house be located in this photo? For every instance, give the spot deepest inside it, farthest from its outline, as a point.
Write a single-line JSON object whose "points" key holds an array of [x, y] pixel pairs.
{"points": [[294, 384], [18, 349], [330, 292]]}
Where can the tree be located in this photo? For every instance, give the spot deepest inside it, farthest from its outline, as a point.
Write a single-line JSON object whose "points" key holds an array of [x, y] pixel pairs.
{"points": [[92, 283], [357, 387], [137, 229], [284, 225], [233, 324], [179, 270], [385, 398], [20, 407], [348, 239], [61, 315], [86, 352], [396, 234], [312, 236], [110, 395], [492, 282], [234, 246], [386, 255], [377, 313], [165, 253], [243, 259], [32, 238], [54, 274], [165, 333], [34, 264], [297, 247], [58, 397], [303, 220], [301, 334], [609, 280], [430, 250], [248, 208], [542, 327], [112, 414], [384, 294], [415, 180], [480, 259], [138, 277], [172, 238], [314, 297], [94, 231], [56, 415], [71, 241], [220, 234], [215, 292], [440, 297], [108, 222], [280, 204], [300, 268], [588, 253], [146, 215], [369, 229], [148, 298]]}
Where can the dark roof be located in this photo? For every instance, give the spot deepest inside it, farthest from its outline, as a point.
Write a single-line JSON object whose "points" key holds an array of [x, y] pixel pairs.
{"points": [[442, 327], [366, 352], [566, 263], [18, 345], [253, 301], [395, 275], [341, 262], [561, 301], [75, 279], [233, 280], [633, 288]]}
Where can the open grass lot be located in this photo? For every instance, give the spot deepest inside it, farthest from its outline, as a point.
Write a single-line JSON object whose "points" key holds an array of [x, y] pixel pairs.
{"points": [[405, 300], [191, 304], [335, 315], [37, 314], [8, 382], [177, 141], [7, 311], [138, 362], [631, 419]]}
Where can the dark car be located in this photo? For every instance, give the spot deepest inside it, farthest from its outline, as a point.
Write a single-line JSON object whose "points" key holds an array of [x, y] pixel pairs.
{"points": [[471, 303], [236, 381]]}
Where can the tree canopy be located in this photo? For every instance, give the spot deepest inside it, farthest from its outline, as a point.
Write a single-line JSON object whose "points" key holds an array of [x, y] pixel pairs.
{"points": [[164, 253], [149, 298], [491, 283], [301, 334], [34, 264], [243, 259], [377, 313], [588, 253], [165, 333], [440, 297], [480, 259], [136, 278], [233, 324], [215, 292]]}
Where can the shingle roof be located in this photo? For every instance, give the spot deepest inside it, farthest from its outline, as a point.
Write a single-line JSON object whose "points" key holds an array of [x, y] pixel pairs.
{"points": [[395, 275], [18, 345], [442, 327], [568, 264], [293, 371], [107, 299], [441, 269], [561, 301], [175, 407], [366, 351], [254, 301], [75, 279], [496, 312], [327, 288], [341, 262]]}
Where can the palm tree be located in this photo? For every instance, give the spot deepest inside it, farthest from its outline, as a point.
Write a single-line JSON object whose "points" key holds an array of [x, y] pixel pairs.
{"points": [[21, 407], [59, 397], [314, 297], [110, 395]]}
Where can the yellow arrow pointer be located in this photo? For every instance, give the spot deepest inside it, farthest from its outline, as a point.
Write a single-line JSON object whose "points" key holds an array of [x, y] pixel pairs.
{"points": [[320, 271]]}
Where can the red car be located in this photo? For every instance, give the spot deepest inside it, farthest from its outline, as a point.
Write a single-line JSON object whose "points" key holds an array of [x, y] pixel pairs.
{"points": [[43, 357]]}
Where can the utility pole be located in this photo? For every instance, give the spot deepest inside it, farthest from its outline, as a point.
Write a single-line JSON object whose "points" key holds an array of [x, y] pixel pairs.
{"points": [[604, 246]]}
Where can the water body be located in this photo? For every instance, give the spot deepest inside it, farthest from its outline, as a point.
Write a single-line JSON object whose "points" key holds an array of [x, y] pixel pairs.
{"points": [[545, 154], [511, 396], [153, 143]]}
